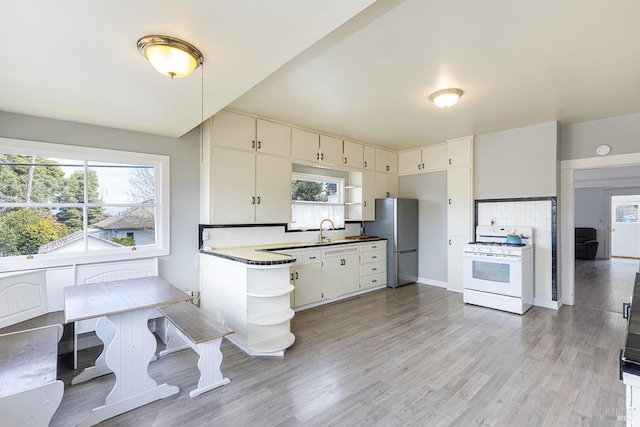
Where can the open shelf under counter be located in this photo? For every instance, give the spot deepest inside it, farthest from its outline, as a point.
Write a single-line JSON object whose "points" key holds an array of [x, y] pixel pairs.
{"points": [[272, 318], [270, 291]]}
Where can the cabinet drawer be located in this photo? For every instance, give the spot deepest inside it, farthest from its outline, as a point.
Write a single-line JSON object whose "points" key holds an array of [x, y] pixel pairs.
{"points": [[311, 257], [373, 280], [373, 246], [373, 256], [373, 268]]}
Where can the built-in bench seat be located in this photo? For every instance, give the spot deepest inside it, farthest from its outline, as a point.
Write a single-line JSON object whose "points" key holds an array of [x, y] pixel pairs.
{"points": [[30, 392], [191, 327]]}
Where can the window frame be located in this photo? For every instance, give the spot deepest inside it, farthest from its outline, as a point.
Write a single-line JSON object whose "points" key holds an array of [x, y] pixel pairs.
{"points": [[85, 154], [341, 182]]}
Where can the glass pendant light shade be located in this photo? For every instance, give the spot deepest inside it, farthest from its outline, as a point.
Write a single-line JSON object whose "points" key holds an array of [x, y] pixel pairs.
{"points": [[445, 98], [170, 56]]}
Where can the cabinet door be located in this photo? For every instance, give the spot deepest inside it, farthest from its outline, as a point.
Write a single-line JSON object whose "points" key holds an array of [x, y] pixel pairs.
{"points": [[454, 261], [369, 158], [434, 157], [353, 154], [308, 284], [332, 271], [273, 138], [368, 196], [350, 272], [233, 186], [381, 186], [392, 161], [392, 184], [273, 189], [460, 203], [330, 150], [381, 161], [409, 162], [460, 152], [305, 145], [233, 130]]}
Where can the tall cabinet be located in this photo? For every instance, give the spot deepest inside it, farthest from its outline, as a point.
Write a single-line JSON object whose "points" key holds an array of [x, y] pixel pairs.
{"points": [[460, 206], [252, 154]]}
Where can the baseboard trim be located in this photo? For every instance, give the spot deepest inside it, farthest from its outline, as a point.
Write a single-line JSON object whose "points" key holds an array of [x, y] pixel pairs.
{"points": [[554, 305], [431, 282]]}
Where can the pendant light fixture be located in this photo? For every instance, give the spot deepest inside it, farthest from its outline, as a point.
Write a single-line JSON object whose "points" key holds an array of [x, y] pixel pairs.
{"points": [[170, 56], [445, 98]]}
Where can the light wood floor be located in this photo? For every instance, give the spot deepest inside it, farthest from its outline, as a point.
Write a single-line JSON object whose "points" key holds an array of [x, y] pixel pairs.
{"points": [[415, 355]]}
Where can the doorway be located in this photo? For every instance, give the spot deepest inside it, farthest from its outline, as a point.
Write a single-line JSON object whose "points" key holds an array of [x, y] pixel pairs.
{"points": [[625, 229]]}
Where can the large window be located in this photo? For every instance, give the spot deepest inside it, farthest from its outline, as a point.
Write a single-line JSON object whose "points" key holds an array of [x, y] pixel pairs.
{"points": [[314, 198], [65, 204]]}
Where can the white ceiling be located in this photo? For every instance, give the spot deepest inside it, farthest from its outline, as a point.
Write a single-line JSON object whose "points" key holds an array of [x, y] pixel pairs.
{"points": [[519, 63]]}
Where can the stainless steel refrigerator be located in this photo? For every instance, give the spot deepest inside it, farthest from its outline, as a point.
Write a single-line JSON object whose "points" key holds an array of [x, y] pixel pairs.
{"points": [[397, 221]]}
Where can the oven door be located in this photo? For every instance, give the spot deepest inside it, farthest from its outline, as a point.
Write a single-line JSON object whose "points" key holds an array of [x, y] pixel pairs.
{"points": [[495, 274]]}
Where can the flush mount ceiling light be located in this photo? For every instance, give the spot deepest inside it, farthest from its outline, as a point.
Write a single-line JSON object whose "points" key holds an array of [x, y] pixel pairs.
{"points": [[445, 98], [170, 56]]}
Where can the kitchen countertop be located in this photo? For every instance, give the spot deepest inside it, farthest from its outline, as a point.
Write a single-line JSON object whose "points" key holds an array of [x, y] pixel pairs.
{"points": [[268, 254], [630, 358]]}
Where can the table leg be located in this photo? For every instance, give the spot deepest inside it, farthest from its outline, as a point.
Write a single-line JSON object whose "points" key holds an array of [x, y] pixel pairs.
{"points": [[106, 331], [128, 356]]}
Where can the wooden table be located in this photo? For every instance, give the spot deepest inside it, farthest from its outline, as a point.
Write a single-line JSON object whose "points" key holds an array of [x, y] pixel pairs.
{"points": [[128, 342]]}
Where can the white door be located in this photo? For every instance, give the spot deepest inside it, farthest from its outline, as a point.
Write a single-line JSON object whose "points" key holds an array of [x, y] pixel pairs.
{"points": [[625, 229]]}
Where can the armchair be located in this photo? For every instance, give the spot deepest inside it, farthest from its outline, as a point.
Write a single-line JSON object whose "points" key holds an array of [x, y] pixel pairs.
{"points": [[586, 243]]}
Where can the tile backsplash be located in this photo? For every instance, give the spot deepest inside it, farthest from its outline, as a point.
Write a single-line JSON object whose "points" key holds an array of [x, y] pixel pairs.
{"points": [[536, 214]]}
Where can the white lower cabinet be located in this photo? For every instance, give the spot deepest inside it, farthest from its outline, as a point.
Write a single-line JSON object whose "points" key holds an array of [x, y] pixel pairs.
{"points": [[340, 271], [253, 300], [373, 264], [325, 274]]}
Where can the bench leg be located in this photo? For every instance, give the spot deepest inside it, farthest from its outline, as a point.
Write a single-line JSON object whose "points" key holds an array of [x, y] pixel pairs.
{"points": [[175, 342], [31, 408], [209, 366]]}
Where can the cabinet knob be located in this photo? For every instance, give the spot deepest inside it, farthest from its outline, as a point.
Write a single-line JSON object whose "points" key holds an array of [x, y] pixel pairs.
{"points": [[291, 276], [296, 275], [449, 201], [318, 156], [388, 168], [345, 160], [259, 144], [365, 203], [312, 257], [374, 257], [449, 242], [253, 200], [423, 166], [388, 194], [374, 281], [253, 144], [374, 269], [449, 161], [321, 156], [365, 163], [258, 199]]}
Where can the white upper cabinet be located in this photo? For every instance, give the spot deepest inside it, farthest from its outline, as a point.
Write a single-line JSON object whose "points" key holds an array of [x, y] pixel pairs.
{"points": [[434, 157], [410, 162], [386, 161], [305, 145], [330, 150], [368, 196], [369, 158], [273, 190], [273, 138], [426, 159], [460, 152], [353, 154], [232, 130]]}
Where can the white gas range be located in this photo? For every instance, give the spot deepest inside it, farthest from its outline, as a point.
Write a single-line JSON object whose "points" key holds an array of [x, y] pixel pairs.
{"points": [[497, 274]]}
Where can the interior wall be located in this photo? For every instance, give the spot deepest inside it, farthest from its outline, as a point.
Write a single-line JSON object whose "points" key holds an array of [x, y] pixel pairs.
{"points": [[431, 191], [177, 267], [516, 163], [590, 207], [580, 140]]}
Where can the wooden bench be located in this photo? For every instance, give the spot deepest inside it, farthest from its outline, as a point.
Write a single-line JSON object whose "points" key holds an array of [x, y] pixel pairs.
{"points": [[191, 327], [29, 390]]}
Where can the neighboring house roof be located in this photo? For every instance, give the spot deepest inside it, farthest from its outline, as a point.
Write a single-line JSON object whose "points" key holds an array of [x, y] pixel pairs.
{"points": [[136, 218], [69, 239]]}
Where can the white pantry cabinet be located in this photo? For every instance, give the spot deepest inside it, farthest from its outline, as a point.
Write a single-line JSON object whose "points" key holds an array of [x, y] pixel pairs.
{"points": [[232, 130], [460, 207], [249, 188]]}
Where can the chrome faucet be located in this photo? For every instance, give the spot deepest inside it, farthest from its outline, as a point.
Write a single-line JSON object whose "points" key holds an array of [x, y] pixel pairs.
{"points": [[322, 222]]}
